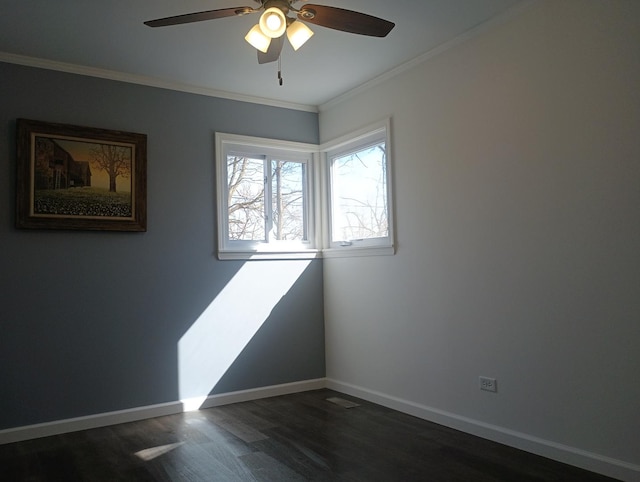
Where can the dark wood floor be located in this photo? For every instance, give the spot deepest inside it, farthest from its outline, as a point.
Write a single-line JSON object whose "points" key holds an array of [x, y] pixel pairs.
{"points": [[292, 437]]}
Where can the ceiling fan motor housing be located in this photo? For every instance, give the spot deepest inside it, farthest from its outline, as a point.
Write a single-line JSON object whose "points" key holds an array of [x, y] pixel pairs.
{"points": [[282, 5]]}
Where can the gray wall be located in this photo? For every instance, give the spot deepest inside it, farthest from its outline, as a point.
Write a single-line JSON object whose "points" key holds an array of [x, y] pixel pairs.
{"points": [[90, 321]]}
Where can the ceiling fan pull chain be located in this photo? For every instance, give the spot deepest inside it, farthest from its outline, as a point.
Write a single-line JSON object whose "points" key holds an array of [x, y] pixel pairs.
{"points": [[280, 69]]}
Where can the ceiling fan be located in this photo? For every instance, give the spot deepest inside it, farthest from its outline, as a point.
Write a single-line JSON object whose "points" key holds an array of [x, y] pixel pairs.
{"points": [[268, 35]]}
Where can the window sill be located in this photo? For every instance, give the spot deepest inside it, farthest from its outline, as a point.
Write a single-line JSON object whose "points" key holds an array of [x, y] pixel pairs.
{"points": [[346, 252], [256, 255], [352, 252]]}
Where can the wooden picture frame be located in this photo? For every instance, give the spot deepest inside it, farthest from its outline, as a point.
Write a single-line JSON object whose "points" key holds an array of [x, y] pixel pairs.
{"points": [[81, 178]]}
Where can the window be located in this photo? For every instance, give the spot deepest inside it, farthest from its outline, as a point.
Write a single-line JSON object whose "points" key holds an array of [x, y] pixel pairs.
{"points": [[266, 199], [265, 204], [359, 203], [276, 201]]}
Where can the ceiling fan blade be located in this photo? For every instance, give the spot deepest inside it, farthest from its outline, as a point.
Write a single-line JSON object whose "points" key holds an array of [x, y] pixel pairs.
{"points": [[273, 52], [199, 16], [345, 20]]}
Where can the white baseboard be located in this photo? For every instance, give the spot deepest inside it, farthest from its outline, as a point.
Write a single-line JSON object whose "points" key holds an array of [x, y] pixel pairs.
{"points": [[58, 427], [593, 462], [263, 392], [570, 455]]}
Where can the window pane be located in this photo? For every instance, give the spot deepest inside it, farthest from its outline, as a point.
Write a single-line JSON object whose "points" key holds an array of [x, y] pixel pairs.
{"points": [[288, 201], [359, 194], [245, 182]]}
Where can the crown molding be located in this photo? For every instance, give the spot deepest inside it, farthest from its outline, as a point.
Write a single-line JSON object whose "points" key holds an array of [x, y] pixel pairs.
{"points": [[146, 81], [192, 89], [463, 37]]}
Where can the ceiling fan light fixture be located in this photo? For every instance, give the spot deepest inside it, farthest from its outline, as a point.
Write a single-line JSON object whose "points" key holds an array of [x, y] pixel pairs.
{"points": [[298, 33], [257, 39], [273, 22]]}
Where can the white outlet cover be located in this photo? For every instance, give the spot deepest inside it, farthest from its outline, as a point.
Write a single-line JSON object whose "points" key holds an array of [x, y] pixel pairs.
{"points": [[488, 384]]}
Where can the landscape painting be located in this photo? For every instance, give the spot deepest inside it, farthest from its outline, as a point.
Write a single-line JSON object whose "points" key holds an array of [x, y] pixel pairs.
{"points": [[72, 177]]}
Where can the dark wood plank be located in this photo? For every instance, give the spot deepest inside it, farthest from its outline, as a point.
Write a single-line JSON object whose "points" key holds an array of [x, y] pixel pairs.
{"points": [[290, 438]]}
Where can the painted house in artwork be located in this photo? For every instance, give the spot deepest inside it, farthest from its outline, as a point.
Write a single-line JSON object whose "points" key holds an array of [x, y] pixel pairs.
{"points": [[55, 168]]}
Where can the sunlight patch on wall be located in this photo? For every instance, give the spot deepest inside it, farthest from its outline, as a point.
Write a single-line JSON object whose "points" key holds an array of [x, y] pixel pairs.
{"points": [[218, 336]]}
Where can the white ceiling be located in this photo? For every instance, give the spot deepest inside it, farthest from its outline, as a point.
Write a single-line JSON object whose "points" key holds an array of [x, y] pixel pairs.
{"points": [[109, 39]]}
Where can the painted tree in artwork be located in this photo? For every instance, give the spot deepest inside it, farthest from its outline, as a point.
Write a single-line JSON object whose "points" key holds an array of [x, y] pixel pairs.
{"points": [[114, 160]]}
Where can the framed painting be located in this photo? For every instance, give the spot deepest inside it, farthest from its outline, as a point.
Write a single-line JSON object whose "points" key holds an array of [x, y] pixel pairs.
{"points": [[71, 177]]}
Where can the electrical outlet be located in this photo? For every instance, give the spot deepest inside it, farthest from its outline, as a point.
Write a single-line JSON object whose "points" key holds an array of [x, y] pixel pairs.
{"points": [[488, 384]]}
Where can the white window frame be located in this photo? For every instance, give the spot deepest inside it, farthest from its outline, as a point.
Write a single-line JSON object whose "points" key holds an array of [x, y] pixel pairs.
{"points": [[366, 136], [267, 148], [318, 200]]}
